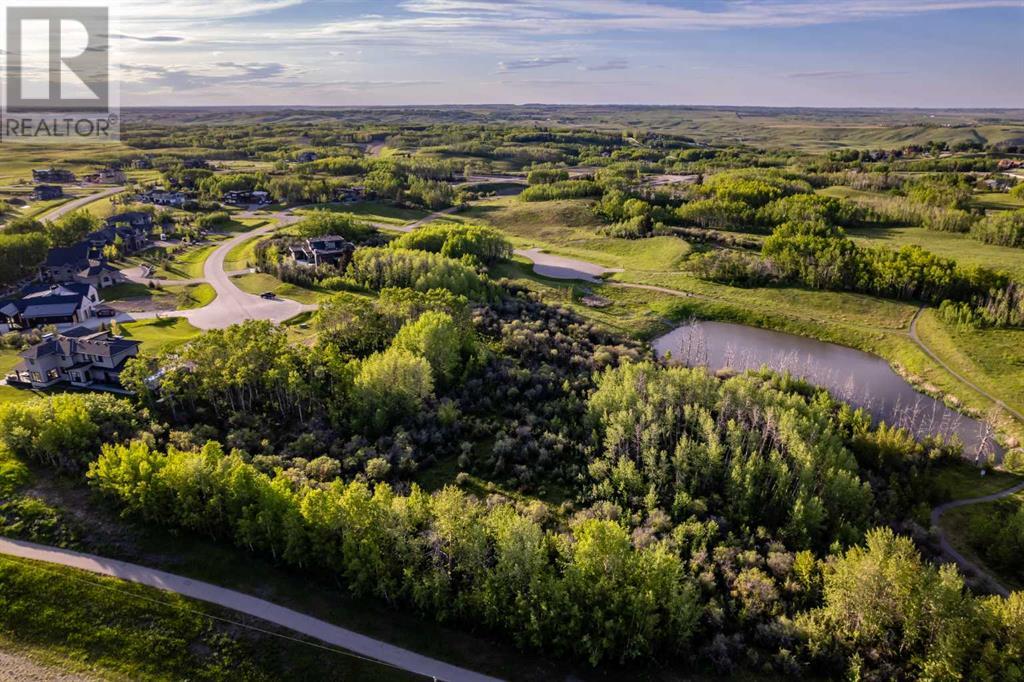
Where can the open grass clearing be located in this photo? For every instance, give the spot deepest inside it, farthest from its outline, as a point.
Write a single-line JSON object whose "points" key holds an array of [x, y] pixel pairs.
{"points": [[960, 247], [992, 358], [259, 282], [376, 211], [98, 625], [243, 255], [159, 334]]}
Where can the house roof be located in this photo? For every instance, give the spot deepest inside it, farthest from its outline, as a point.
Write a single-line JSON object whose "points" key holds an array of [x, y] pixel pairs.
{"points": [[52, 308], [68, 255], [82, 340], [64, 289]]}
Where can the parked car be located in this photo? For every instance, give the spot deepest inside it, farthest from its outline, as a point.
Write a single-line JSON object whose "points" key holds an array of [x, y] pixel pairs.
{"points": [[268, 295], [106, 312]]}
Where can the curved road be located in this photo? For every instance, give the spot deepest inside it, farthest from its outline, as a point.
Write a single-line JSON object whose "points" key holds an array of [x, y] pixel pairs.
{"points": [[249, 605], [75, 204], [959, 558], [232, 305]]}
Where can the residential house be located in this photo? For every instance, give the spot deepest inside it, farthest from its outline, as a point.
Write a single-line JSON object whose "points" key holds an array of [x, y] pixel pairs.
{"points": [[317, 251], [47, 192], [53, 176], [237, 197], [79, 263], [107, 176], [134, 228], [68, 303], [161, 197], [80, 357]]}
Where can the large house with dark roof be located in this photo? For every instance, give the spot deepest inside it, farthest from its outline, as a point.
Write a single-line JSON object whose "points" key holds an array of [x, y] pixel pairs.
{"points": [[326, 250], [43, 304], [47, 192], [82, 357], [81, 262], [58, 176]]}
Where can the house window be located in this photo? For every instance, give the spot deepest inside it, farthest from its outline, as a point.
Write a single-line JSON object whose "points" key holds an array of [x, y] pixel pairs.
{"points": [[36, 376], [52, 374]]}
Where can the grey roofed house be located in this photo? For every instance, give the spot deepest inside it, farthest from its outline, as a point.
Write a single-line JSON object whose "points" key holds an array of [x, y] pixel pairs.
{"points": [[83, 262], [326, 250], [80, 356], [49, 304], [53, 175], [47, 192]]}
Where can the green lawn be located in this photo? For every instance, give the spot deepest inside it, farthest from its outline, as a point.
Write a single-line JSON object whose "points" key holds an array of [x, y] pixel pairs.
{"points": [[9, 394], [243, 255], [998, 201], [159, 334], [259, 282], [947, 244], [93, 624], [570, 228], [180, 297], [376, 211], [992, 358]]}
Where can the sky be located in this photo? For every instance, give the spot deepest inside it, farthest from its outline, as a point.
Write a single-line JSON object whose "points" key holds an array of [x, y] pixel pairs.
{"points": [[834, 53]]}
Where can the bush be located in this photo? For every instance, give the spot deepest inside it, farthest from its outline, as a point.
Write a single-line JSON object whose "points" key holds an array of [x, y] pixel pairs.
{"points": [[321, 223], [375, 268], [567, 189], [456, 240]]}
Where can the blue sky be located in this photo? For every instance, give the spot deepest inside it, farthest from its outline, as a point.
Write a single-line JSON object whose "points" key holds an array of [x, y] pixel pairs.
{"points": [[926, 53]]}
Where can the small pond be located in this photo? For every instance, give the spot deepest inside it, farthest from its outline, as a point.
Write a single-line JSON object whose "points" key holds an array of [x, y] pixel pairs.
{"points": [[853, 376]]}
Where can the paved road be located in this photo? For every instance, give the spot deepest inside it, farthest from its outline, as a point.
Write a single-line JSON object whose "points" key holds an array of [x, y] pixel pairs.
{"points": [[960, 559], [560, 267], [243, 603], [232, 305], [78, 203], [916, 339]]}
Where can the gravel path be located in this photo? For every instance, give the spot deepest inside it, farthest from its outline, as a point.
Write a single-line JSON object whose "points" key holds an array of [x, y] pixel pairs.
{"points": [[243, 603], [962, 561]]}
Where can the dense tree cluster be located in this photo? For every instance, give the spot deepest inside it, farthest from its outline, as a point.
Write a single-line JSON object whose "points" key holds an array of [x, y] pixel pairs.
{"points": [[455, 240]]}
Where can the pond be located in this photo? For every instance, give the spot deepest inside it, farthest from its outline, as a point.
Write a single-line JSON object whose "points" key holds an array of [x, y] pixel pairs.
{"points": [[853, 376]]}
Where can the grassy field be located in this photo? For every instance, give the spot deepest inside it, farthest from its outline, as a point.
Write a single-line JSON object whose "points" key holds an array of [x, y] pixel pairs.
{"points": [[98, 625], [9, 394], [259, 282], [242, 255], [375, 211], [178, 297], [159, 334], [186, 264], [947, 244], [992, 358], [569, 228], [998, 201]]}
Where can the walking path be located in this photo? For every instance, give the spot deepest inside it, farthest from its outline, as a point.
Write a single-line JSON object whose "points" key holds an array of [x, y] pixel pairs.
{"points": [[916, 339], [962, 561], [243, 603]]}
